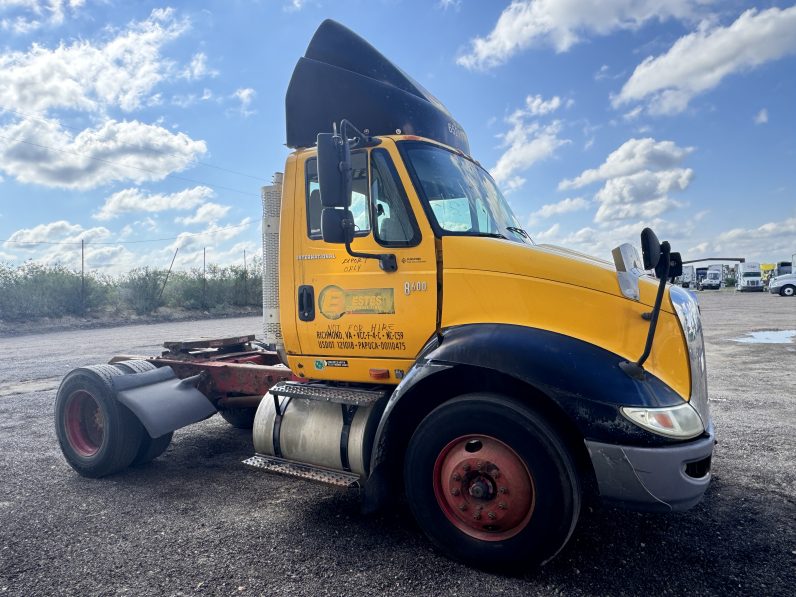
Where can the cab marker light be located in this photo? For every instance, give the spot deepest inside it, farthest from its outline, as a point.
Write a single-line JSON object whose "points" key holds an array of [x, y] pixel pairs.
{"points": [[681, 422]]}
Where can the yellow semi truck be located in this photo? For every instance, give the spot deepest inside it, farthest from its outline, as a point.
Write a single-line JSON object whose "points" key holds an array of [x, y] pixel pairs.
{"points": [[418, 344]]}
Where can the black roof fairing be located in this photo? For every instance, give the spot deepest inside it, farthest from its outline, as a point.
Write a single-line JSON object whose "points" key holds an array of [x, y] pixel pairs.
{"points": [[342, 76]]}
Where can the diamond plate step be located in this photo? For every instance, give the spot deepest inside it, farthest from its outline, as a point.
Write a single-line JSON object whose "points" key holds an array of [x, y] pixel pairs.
{"points": [[313, 391], [303, 471]]}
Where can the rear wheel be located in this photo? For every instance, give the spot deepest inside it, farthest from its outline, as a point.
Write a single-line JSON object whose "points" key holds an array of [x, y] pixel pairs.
{"points": [[239, 418], [787, 290], [491, 483], [98, 435]]}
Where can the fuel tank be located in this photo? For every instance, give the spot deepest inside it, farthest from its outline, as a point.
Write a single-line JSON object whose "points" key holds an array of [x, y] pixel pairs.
{"points": [[320, 433]]}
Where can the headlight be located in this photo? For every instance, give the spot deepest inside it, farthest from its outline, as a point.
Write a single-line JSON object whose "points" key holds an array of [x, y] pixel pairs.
{"points": [[681, 422]]}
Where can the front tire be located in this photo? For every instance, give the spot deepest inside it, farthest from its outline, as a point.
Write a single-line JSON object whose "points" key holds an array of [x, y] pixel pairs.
{"points": [[787, 290], [98, 435], [491, 483]]}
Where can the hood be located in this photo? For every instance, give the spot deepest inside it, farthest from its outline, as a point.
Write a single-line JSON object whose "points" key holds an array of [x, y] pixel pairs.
{"points": [[547, 262]]}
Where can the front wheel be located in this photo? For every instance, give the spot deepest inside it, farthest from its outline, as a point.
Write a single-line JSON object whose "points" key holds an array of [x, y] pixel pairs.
{"points": [[787, 290], [491, 483]]}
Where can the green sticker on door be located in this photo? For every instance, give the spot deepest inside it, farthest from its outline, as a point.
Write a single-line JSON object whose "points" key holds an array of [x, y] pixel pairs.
{"points": [[334, 302]]}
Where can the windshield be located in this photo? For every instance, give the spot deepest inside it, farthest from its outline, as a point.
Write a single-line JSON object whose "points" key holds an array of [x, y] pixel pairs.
{"points": [[463, 199], [751, 274], [713, 275]]}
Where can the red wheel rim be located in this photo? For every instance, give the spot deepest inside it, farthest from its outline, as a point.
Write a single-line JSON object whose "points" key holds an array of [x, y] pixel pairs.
{"points": [[85, 423], [484, 488]]}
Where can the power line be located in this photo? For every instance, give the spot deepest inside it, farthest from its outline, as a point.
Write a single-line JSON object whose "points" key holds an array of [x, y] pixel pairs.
{"points": [[123, 242], [40, 119], [110, 163]]}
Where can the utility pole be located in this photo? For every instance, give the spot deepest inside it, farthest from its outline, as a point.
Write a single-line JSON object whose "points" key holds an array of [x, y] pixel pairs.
{"points": [[245, 275], [204, 277], [162, 288]]}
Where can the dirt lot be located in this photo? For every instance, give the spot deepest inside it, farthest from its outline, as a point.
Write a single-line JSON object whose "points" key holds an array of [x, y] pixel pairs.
{"points": [[196, 521]]}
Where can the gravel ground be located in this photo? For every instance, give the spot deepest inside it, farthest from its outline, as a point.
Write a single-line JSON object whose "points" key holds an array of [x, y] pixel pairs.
{"points": [[196, 521]]}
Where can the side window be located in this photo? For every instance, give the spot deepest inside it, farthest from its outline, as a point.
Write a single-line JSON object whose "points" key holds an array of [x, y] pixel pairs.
{"points": [[359, 196], [394, 224]]}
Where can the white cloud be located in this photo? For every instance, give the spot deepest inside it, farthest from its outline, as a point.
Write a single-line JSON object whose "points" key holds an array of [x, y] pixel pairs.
{"points": [[564, 206], [761, 117], [641, 195], [207, 212], [211, 236], [446, 4], [64, 232], [634, 155], [294, 5], [699, 61], [83, 76], [43, 153], [245, 95], [136, 200], [198, 69], [638, 178], [527, 141], [30, 15], [563, 23]]}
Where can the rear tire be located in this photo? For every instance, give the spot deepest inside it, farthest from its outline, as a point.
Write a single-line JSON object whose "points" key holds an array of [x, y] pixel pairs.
{"points": [[239, 418], [787, 290], [519, 509], [98, 435]]}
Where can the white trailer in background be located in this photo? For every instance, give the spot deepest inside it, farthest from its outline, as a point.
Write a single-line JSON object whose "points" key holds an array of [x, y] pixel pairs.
{"points": [[748, 277], [688, 279]]}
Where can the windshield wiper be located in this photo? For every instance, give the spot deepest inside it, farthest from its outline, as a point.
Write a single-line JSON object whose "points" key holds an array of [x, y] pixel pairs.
{"points": [[518, 230], [491, 235]]}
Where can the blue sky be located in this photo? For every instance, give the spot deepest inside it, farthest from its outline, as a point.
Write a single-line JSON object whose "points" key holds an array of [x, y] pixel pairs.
{"points": [[125, 122]]}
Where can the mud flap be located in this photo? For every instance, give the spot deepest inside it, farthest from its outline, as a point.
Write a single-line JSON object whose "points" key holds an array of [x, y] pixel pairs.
{"points": [[162, 401]]}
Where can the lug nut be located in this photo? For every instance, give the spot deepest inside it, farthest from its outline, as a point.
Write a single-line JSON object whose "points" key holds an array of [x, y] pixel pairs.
{"points": [[455, 491], [479, 465], [465, 467], [502, 505], [503, 490], [492, 515], [457, 477], [462, 506], [477, 516]]}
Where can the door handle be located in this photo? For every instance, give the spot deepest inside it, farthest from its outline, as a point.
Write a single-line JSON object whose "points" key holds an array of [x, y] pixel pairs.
{"points": [[306, 303]]}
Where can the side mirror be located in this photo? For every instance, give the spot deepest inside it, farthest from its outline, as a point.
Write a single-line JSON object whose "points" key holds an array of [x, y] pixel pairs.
{"points": [[650, 248], [334, 170], [675, 265], [337, 226]]}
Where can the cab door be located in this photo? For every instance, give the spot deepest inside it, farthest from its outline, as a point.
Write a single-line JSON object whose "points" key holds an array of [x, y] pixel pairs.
{"points": [[349, 311]]}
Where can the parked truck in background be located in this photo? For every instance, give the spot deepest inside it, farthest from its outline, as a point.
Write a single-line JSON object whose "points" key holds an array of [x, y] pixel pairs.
{"points": [[418, 343], [688, 279], [748, 277], [712, 279], [701, 272]]}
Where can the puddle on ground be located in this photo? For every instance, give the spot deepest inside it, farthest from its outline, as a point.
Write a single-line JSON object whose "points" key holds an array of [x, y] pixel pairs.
{"points": [[768, 337]]}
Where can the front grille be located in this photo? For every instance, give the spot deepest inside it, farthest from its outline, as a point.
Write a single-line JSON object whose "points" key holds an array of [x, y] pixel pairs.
{"points": [[698, 469]]}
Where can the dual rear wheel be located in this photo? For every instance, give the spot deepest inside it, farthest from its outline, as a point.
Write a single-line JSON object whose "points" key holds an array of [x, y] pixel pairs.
{"points": [[99, 435], [492, 483]]}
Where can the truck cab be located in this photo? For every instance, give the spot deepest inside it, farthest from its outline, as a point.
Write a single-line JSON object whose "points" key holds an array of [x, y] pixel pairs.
{"points": [[748, 277], [417, 343], [712, 279]]}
